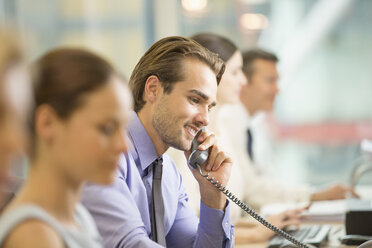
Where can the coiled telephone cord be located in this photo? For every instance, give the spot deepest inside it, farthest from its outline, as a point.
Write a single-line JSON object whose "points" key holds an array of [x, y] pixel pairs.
{"points": [[250, 211]]}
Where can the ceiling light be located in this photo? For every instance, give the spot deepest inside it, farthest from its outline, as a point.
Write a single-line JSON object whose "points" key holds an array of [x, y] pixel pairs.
{"points": [[252, 21], [194, 5]]}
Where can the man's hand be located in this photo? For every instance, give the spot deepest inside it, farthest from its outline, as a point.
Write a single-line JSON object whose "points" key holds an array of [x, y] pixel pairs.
{"points": [[218, 165], [286, 218], [333, 192]]}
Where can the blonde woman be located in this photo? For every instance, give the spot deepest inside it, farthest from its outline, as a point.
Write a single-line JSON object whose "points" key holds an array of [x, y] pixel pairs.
{"points": [[15, 102]]}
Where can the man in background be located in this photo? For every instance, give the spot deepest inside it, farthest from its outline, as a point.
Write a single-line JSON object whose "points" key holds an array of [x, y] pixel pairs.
{"points": [[259, 66]]}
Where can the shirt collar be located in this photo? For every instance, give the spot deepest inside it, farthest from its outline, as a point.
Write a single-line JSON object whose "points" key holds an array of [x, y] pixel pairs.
{"points": [[144, 148]]}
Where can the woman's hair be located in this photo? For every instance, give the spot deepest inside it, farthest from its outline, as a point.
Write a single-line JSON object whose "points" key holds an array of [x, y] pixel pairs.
{"points": [[63, 76], [216, 44], [165, 59], [10, 51], [10, 55]]}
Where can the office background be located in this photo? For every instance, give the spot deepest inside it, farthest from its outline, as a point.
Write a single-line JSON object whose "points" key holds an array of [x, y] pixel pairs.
{"points": [[323, 110]]}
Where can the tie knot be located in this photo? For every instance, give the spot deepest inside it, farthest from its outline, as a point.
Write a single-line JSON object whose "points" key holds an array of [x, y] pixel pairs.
{"points": [[159, 160], [249, 132], [158, 168]]}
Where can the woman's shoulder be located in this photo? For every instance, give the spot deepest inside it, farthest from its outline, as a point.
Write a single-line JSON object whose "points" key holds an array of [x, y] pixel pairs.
{"points": [[33, 233], [28, 226]]}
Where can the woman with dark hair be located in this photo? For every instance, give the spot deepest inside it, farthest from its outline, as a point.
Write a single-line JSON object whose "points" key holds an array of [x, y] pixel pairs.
{"points": [[228, 93], [81, 111]]}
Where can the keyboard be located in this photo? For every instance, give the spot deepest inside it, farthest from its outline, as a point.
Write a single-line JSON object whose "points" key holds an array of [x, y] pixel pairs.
{"points": [[314, 235]]}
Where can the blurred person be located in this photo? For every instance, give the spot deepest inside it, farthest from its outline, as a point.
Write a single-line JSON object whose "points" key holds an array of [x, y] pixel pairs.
{"points": [[258, 95], [81, 111], [15, 101], [228, 93], [174, 86]]}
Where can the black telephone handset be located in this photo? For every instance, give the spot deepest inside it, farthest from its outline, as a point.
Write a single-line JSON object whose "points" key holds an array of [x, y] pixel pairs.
{"points": [[198, 157]]}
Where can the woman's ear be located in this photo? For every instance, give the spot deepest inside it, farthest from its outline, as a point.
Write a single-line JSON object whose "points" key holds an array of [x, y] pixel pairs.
{"points": [[46, 122], [153, 88]]}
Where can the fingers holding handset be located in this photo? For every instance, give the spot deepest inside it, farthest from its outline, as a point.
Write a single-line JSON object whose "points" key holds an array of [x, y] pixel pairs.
{"points": [[218, 164], [216, 157]]}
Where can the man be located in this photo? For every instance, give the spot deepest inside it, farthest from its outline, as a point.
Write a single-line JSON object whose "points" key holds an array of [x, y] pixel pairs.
{"points": [[258, 95], [174, 87]]}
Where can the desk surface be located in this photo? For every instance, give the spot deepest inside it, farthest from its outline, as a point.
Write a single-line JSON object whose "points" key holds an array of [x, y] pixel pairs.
{"points": [[336, 232]]}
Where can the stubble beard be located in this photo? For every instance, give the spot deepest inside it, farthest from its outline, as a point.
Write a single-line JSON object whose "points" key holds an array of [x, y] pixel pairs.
{"points": [[166, 125]]}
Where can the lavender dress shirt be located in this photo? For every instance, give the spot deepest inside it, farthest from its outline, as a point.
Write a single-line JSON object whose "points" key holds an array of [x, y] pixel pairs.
{"points": [[123, 211]]}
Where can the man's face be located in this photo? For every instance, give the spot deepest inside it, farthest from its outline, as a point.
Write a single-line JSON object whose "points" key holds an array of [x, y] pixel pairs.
{"points": [[179, 115], [260, 91]]}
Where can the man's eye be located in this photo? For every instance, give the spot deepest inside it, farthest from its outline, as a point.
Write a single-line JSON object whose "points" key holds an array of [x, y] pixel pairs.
{"points": [[194, 99]]}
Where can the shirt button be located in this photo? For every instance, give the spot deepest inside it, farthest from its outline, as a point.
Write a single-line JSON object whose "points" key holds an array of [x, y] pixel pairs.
{"points": [[226, 224]]}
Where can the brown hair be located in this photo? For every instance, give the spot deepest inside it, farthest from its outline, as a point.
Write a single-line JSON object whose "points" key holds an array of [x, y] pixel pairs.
{"points": [[164, 59], [250, 56], [215, 43], [63, 76]]}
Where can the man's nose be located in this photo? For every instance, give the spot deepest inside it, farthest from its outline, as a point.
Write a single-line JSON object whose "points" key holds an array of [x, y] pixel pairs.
{"points": [[276, 88], [203, 117]]}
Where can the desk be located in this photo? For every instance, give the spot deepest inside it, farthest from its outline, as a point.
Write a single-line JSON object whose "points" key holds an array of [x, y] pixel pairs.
{"points": [[337, 231]]}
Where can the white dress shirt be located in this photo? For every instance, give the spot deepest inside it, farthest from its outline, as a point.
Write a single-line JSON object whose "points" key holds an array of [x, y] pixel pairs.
{"points": [[259, 186]]}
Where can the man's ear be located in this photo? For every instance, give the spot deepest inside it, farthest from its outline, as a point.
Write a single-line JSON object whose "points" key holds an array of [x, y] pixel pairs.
{"points": [[153, 88], [46, 122]]}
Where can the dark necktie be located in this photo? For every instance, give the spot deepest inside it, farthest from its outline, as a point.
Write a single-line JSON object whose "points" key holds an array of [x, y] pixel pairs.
{"points": [[157, 209], [250, 144]]}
